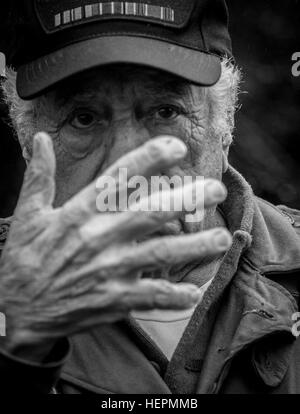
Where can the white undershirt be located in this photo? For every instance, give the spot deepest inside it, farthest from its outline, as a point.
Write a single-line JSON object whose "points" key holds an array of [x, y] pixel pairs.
{"points": [[165, 327]]}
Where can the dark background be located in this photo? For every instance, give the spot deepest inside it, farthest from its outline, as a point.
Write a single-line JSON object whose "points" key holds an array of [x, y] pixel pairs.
{"points": [[265, 35]]}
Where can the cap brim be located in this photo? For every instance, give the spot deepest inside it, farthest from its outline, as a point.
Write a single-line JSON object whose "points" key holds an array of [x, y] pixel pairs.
{"points": [[195, 66]]}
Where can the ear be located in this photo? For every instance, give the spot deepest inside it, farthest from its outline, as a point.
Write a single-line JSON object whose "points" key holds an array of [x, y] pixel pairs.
{"points": [[25, 155], [225, 151]]}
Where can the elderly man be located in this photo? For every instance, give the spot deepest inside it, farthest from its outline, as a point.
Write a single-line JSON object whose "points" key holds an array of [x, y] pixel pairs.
{"points": [[150, 301]]}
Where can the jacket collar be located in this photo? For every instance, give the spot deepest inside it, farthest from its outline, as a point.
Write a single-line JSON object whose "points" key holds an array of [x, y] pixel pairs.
{"points": [[273, 241]]}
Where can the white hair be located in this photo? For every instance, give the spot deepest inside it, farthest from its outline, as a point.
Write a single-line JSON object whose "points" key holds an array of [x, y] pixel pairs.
{"points": [[222, 100]]}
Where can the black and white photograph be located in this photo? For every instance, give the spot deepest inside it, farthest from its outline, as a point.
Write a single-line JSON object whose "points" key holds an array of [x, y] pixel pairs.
{"points": [[149, 200]]}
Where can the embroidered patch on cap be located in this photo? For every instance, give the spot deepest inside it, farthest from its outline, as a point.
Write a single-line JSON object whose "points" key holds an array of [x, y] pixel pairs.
{"points": [[55, 15]]}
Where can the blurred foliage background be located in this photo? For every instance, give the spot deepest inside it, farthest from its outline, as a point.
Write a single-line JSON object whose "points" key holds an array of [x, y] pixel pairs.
{"points": [[265, 35]]}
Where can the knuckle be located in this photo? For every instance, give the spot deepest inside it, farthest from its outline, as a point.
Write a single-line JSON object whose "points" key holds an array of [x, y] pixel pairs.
{"points": [[133, 299], [154, 151], [214, 191], [203, 242], [163, 253], [164, 294], [165, 287], [132, 161], [87, 240]]}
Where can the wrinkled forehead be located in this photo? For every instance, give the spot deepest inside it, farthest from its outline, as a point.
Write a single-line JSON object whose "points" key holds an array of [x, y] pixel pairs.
{"points": [[124, 80]]}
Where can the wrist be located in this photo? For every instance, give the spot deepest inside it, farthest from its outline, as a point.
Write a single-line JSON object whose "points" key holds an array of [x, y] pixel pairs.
{"points": [[19, 341], [24, 347]]}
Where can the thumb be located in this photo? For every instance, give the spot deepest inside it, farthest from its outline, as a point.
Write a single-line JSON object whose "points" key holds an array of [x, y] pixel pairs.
{"points": [[38, 188]]}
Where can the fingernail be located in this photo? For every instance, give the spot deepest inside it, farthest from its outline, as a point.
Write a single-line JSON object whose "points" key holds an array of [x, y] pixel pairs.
{"points": [[36, 142], [222, 239], [41, 137], [216, 190]]}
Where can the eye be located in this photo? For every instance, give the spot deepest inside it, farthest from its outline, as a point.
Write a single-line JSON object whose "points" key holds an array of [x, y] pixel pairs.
{"points": [[167, 112], [83, 119]]}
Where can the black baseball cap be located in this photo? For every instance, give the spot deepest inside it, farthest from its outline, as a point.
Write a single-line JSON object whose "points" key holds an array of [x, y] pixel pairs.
{"points": [[56, 39]]}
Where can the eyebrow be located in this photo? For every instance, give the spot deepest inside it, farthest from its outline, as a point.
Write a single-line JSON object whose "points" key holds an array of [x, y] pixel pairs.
{"points": [[157, 83], [171, 89], [157, 92]]}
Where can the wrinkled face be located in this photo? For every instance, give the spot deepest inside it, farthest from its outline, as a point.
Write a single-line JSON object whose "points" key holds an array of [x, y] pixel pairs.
{"points": [[105, 113]]}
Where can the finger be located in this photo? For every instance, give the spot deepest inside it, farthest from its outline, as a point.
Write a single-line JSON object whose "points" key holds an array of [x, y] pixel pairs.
{"points": [[132, 225], [155, 154], [198, 195], [38, 188], [147, 294], [172, 250], [151, 214], [144, 161]]}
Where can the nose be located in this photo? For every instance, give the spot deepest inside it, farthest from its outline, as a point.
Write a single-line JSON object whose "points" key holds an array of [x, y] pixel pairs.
{"points": [[127, 136]]}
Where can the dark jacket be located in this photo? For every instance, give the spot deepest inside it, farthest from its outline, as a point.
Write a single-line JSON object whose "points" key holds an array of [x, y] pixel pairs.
{"points": [[239, 339]]}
